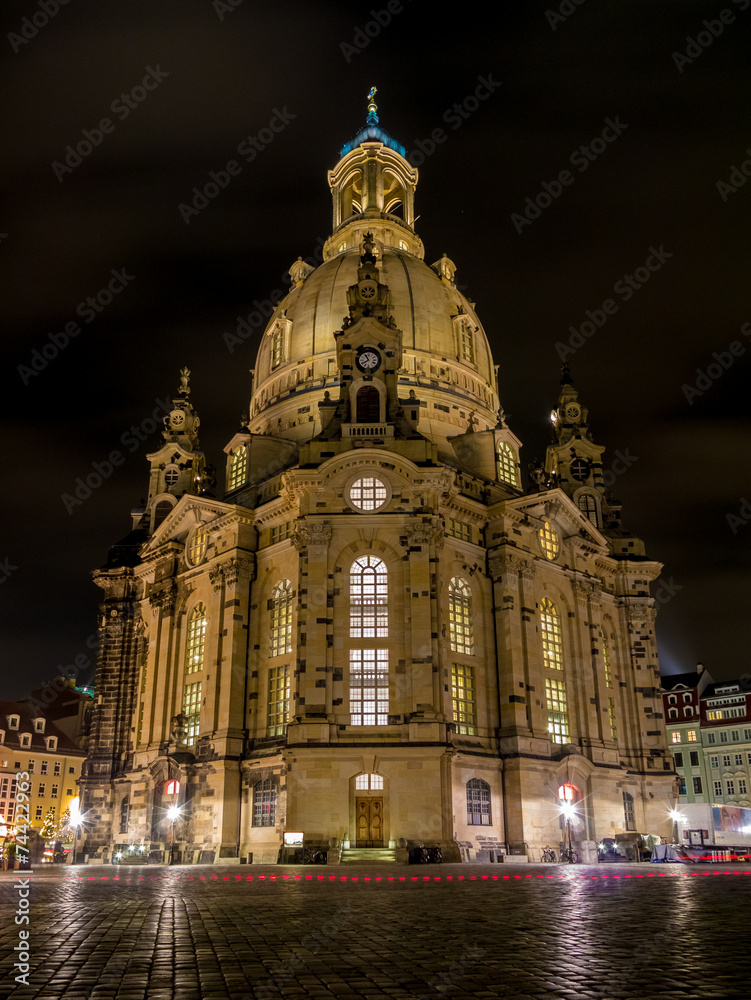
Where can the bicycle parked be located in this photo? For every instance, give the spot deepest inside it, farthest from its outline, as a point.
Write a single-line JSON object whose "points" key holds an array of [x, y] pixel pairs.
{"points": [[569, 855], [548, 854]]}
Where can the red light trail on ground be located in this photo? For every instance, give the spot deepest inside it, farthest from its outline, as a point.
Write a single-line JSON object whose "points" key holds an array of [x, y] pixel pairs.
{"points": [[568, 877]]}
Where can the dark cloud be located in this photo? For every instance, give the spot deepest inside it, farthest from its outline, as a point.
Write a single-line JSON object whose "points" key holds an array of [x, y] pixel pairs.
{"points": [[654, 186]]}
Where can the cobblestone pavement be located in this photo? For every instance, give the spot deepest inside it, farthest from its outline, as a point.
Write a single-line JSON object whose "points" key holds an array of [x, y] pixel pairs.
{"points": [[608, 932]]}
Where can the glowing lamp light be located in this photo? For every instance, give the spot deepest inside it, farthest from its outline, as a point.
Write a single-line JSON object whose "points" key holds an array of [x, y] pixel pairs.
{"points": [[567, 810], [675, 815], [173, 813]]}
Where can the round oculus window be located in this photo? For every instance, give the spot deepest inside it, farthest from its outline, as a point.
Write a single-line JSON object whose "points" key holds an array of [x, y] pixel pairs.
{"points": [[368, 493], [580, 469]]}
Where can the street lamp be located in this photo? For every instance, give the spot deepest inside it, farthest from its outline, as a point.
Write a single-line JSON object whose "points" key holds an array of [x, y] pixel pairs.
{"points": [[676, 816], [173, 814], [568, 812]]}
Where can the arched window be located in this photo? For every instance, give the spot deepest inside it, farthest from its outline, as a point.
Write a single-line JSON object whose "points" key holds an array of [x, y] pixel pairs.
{"points": [[264, 803], [171, 477], [673, 713], [466, 338], [368, 405], [588, 506], [507, 470], [161, 511], [368, 598], [196, 639], [478, 802], [280, 606], [550, 625], [369, 782], [628, 811], [238, 468], [277, 347], [460, 616]]}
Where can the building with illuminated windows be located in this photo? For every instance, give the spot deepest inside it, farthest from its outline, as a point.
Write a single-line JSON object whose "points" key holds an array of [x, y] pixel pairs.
{"points": [[43, 743], [378, 637], [709, 733]]}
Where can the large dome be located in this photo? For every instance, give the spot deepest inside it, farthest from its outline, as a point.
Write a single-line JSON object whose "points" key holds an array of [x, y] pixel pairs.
{"points": [[446, 357]]}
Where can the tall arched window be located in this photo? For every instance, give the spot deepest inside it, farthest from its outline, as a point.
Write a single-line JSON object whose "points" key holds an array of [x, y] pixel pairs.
{"points": [[478, 802], [368, 598], [162, 510], [368, 405], [588, 506], [238, 468], [460, 616], [277, 347], [550, 625], [194, 648], [507, 471], [280, 606]]}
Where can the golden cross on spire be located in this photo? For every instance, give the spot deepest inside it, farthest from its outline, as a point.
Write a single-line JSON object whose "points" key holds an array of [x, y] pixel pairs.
{"points": [[372, 109]]}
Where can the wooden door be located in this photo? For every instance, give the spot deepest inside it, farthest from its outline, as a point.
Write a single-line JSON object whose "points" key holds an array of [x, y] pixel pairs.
{"points": [[369, 819]]}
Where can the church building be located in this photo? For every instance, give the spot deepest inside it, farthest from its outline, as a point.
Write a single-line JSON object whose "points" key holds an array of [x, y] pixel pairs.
{"points": [[378, 637]]}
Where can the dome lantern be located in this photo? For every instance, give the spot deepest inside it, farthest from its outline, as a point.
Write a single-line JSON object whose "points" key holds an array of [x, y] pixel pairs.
{"points": [[373, 183]]}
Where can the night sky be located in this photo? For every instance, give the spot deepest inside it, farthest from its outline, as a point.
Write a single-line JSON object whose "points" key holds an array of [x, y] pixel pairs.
{"points": [[183, 84]]}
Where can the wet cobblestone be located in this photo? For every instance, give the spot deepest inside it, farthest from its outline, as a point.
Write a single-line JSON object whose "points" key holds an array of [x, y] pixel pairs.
{"points": [[541, 932]]}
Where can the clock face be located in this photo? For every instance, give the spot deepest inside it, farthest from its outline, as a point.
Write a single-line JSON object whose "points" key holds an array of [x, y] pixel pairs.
{"points": [[580, 469], [368, 360]]}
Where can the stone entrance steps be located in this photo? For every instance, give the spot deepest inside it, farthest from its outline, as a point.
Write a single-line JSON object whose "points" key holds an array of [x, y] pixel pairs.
{"points": [[368, 855]]}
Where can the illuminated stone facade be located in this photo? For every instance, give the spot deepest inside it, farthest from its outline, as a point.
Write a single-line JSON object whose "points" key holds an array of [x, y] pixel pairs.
{"points": [[378, 637]]}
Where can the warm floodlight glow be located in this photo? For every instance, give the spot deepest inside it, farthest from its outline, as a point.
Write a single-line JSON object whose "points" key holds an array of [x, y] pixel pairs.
{"points": [[173, 813]]}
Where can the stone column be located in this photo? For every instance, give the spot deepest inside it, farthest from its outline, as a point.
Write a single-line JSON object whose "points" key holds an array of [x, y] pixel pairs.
{"points": [[422, 540], [311, 684]]}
